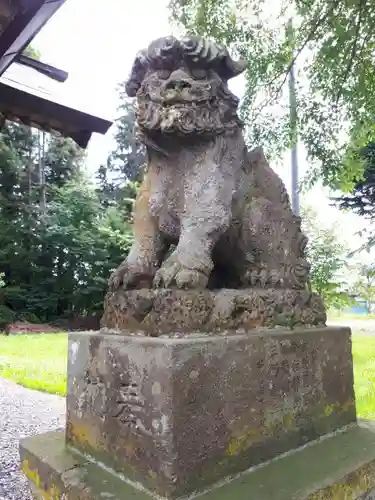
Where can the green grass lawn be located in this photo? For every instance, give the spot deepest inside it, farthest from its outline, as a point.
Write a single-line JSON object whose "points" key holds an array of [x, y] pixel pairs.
{"points": [[364, 375], [39, 362], [35, 361]]}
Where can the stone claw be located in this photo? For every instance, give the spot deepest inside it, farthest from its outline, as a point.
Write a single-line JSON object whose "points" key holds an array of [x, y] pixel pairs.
{"points": [[191, 278], [173, 274], [115, 279], [128, 278], [164, 277], [158, 280]]}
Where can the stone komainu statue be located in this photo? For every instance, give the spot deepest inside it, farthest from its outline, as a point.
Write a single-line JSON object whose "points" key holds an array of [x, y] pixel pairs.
{"points": [[223, 207]]}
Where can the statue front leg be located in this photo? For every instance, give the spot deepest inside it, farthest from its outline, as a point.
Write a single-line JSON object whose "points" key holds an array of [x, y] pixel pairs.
{"points": [[206, 216], [147, 251], [190, 265]]}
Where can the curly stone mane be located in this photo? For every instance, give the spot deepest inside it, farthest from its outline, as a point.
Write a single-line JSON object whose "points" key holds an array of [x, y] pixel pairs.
{"points": [[165, 52]]}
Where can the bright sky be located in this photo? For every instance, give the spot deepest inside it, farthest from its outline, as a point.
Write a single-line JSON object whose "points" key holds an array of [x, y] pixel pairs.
{"points": [[96, 42]]}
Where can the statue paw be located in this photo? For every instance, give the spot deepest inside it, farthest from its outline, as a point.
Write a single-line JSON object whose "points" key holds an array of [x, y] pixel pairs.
{"points": [[191, 278], [128, 277], [265, 278], [173, 274]]}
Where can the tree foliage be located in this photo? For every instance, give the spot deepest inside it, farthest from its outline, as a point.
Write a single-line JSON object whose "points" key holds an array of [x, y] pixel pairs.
{"points": [[364, 287], [119, 179], [32, 52], [327, 256], [332, 47], [61, 234], [84, 244], [361, 200], [129, 157], [59, 243]]}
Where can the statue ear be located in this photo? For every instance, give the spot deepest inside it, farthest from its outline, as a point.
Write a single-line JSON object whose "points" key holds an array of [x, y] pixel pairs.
{"points": [[256, 156], [137, 74], [215, 55], [131, 88], [229, 68]]}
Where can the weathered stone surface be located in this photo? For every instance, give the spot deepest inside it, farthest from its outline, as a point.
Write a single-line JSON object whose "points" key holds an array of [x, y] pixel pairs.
{"points": [[224, 208], [338, 468], [368, 496], [181, 414], [57, 473], [163, 312]]}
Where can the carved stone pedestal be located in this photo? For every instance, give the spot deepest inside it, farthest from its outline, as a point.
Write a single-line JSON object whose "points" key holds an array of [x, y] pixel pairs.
{"points": [[176, 415]]}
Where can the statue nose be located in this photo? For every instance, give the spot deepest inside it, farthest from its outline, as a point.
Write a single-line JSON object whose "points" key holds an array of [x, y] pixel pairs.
{"points": [[177, 84]]}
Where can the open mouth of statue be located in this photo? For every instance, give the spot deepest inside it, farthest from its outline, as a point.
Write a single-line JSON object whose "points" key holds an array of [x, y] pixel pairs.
{"points": [[176, 104], [197, 103]]}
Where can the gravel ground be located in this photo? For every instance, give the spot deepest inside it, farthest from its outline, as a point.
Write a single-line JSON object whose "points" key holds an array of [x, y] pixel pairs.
{"points": [[23, 413]]}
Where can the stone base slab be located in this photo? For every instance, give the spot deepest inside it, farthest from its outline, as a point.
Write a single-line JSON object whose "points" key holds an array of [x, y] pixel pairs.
{"points": [[178, 415], [164, 311], [341, 467]]}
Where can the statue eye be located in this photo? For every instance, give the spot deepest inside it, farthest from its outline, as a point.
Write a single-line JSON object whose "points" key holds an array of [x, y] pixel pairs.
{"points": [[164, 74], [198, 73]]}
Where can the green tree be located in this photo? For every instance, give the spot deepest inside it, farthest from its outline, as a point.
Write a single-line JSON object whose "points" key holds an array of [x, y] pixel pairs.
{"points": [[16, 201], [119, 178], [87, 244], [120, 193], [332, 47], [72, 253], [364, 287], [129, 157], [63, 160], [30, 172], [327, 256], [61, 235], [361, 200]]}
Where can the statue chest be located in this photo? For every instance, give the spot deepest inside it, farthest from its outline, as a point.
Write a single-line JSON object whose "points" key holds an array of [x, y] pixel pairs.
{"points": [[167, 191]]}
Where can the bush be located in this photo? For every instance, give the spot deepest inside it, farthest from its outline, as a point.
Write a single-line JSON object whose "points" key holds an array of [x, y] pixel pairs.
{"points": [[6, 316], [28, 316]]}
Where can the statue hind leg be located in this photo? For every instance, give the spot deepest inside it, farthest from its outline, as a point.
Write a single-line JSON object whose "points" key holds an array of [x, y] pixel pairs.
{"points": [[275, 240]]}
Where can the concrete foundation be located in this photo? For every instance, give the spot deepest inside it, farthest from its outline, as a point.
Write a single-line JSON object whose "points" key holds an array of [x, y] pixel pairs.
{"points": [[341, 467]]}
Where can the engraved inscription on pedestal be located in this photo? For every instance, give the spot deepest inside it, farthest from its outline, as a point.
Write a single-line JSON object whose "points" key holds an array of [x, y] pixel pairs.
{"points": [[94, 395], [119, 409], [130, 408], [127, 407]]}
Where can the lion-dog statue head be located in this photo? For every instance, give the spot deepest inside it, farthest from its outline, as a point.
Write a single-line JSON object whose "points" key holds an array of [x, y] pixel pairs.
{"points": [[181, 88]]}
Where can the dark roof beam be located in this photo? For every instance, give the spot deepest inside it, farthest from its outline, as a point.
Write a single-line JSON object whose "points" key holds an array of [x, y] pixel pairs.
{"points": [[45, 69], [31, 17]]}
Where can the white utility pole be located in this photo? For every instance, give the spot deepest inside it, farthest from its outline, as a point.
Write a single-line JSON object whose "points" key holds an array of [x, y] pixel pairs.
{"points": [[293, 127]]}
